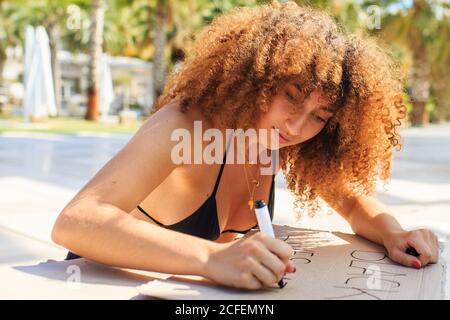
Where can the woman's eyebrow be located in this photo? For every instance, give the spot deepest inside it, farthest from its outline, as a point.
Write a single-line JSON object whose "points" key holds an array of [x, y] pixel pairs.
{"points": [[297, 86], [325, 108]]}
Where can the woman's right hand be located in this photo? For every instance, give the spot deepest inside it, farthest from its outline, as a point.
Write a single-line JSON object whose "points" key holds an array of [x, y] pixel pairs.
{"points": [[249, 263]]}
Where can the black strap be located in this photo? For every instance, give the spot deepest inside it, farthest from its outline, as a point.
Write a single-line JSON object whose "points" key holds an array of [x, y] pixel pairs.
{"points": [[216, 186], [156, 221], [237, 231]]}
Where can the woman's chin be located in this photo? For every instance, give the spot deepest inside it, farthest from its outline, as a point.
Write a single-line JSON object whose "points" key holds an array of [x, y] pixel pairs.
{"points": [[271, 145]]}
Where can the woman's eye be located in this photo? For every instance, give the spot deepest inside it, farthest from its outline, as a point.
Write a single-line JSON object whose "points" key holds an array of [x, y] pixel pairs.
{"points": [[290, 96], [319, 119]]}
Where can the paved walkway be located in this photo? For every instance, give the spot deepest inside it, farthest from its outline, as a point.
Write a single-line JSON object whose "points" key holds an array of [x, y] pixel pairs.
{"points": [[40, 173]]}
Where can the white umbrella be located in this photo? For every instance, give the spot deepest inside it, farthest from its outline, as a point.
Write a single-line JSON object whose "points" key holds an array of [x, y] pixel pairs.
{"points": [[29, 44], [107, 90], [39, 99]]}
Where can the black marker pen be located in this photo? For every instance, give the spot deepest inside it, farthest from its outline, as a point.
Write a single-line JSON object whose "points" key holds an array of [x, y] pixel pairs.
{"points": [[411, 251]]}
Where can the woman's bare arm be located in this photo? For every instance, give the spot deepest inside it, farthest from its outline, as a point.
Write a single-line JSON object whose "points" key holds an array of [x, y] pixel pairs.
{"points": [[371, 219], [96, 223]]}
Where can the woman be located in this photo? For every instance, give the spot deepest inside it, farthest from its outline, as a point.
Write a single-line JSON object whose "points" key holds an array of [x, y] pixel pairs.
{"points": [[334, 101]]}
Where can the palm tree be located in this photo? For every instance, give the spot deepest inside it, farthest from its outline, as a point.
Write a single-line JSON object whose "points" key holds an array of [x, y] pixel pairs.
{"points": [[418, 27], [176, 27], [440, 71], [2, 45], [127, 28], [420, 80], [95, 52], [11, 25], [163, 8], [169, 28], [54, 34], [52, 17], [440, 88]]}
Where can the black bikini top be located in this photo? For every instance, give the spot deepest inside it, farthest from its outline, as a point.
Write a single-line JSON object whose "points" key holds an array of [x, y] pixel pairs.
{"points": [[204, 222]]}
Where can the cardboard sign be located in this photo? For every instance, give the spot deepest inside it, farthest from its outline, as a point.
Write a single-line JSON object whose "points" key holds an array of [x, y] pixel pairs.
{"points": [[330, 265]]}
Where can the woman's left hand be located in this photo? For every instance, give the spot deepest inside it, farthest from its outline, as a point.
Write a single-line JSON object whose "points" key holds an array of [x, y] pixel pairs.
{"points": [[424, 241]]}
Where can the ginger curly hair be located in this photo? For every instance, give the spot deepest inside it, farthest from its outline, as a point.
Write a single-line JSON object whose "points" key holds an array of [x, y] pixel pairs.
{"points": [[235, 65]]}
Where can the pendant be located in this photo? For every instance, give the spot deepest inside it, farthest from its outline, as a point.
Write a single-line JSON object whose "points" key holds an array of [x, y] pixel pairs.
{"points": [[250, 203]]}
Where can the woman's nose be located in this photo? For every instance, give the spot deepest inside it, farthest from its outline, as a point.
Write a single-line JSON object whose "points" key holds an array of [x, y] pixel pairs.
{"points": [[296, 123]]}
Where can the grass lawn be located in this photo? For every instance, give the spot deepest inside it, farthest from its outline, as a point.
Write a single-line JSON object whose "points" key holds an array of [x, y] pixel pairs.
{"points": [[64, 125]]}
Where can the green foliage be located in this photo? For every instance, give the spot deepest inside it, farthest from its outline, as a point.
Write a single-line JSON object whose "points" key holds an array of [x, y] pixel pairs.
{"points": [[130, 24], [407, 102]]}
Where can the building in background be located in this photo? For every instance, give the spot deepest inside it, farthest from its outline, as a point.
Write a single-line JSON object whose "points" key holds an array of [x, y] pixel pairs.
{"points": [[131, 83]]}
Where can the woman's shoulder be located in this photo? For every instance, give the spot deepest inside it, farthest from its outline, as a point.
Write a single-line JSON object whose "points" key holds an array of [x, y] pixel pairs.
{"points": [[170, 116]]}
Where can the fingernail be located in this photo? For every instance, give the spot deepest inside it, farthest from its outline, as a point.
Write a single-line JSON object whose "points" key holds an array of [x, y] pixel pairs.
{"points": [[416, 264]]}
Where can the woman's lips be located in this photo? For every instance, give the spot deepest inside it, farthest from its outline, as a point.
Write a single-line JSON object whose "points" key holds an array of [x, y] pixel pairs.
{"points": [[283, 138]]}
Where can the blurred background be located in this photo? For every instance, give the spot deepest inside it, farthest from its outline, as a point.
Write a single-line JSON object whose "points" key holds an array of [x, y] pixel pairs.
{"points": [[78, 77]]}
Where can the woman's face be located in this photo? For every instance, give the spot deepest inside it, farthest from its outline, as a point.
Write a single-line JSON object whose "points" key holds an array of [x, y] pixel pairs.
{"points": [[296, 120]]}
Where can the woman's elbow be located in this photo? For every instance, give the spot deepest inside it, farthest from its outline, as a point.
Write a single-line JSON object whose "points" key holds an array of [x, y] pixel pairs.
{"points": [[61, 229]]}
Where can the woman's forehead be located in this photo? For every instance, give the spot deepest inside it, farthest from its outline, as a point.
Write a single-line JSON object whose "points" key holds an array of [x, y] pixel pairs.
{"points": [[321, 96]]}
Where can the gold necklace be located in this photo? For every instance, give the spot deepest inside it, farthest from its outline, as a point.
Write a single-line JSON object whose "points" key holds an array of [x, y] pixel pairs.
{"points": [[255, 185]]}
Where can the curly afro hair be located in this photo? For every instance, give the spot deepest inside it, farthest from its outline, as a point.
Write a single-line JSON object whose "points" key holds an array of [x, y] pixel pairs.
{"points": [[236, 64]]}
